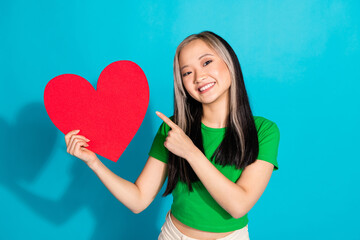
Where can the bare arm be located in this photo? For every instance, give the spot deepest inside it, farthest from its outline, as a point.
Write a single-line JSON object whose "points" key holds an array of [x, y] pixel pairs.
{"points": [[236, 198], [135, 196]]}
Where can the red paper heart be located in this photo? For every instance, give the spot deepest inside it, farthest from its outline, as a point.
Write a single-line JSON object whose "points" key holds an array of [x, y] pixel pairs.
{"points": [[110, 115]]}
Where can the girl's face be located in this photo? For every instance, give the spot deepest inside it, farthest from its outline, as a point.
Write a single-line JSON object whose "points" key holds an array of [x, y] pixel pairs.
{"points": [[205, 75]]}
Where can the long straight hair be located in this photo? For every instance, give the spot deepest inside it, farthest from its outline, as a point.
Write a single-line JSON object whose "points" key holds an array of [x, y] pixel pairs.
{"points": [[240, 145]]}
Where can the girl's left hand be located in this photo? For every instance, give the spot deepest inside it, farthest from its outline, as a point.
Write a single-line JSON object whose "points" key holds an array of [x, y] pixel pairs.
{"points": [[177, 141]]}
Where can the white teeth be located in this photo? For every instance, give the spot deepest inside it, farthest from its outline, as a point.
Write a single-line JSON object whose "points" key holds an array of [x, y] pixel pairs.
{"points": [[206, 87]]}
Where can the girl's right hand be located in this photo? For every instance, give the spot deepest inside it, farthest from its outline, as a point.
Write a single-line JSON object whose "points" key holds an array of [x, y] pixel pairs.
{"points": [[76, 146]]}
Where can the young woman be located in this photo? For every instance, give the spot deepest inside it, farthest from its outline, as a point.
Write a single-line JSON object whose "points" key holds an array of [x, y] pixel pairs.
{"points": [[217, 156]]}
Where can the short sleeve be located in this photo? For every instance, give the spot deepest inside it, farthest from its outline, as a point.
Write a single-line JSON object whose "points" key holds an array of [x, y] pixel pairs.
{"points": [[269, 138], [158, 150]]}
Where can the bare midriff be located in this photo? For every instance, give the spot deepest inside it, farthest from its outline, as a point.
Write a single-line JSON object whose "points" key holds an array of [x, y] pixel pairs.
{"points": [[195, 233]]}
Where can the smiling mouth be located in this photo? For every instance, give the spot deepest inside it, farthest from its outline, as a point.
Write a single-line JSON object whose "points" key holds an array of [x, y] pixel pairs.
{"points": [[206, 87]]}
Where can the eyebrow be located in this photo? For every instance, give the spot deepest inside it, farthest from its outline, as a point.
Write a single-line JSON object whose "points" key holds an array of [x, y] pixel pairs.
{"points": [[204, 55]]}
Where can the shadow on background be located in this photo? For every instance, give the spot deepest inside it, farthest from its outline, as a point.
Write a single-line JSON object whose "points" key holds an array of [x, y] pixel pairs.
{"points": [[26, 147]]}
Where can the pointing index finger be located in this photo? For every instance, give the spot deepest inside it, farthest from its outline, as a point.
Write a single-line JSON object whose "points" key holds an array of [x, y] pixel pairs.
{"points": [[166, 120]]}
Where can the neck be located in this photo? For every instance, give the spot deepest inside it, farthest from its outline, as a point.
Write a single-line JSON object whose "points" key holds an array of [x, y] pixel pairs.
{"points": [[215, 114]]}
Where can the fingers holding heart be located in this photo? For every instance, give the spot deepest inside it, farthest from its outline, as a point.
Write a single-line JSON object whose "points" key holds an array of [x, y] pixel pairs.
{"points": [[74, 141], [76, 145]]}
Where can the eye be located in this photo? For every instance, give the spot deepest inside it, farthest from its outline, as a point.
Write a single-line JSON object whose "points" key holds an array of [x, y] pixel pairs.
{"points": [[207, 62], [185, 74]]}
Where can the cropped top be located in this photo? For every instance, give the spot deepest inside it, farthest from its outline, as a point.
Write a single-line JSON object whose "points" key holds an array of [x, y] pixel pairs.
{"points": [[198, 209]]}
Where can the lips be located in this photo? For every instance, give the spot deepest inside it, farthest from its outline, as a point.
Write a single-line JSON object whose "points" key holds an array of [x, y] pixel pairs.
{"points": [[213, 83]]}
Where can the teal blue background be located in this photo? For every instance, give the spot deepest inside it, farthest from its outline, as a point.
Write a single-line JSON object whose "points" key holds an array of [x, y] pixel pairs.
{"points": [[299, 63]]}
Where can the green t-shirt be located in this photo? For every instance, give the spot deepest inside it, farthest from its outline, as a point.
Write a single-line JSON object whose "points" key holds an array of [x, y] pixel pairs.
{"points": [[198, 209]]}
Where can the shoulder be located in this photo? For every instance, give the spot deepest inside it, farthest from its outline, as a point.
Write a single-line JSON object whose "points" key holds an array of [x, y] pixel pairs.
{"points": [[269, 139], [266, 126], [261, 122]]}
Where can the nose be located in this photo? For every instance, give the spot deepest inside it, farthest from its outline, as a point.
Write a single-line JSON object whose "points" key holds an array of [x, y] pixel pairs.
{"points": [[200, 78]]}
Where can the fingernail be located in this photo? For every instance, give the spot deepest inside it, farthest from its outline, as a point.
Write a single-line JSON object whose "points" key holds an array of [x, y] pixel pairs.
{"points": [[88, 140], [156, 112]]}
